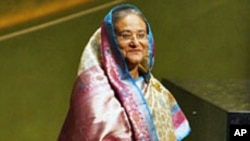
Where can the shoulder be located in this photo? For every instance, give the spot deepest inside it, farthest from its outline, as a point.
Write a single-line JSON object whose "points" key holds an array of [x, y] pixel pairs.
{"points": [[159, 87], [156, 84]]}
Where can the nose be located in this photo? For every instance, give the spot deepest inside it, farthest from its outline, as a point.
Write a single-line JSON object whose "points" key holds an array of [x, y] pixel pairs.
{"points": [[134, 42]]}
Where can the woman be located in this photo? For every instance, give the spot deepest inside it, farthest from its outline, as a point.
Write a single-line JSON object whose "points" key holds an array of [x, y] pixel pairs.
{"points": [[116, 98]]}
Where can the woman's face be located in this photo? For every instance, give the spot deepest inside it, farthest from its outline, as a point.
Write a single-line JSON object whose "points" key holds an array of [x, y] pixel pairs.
{"points": [[131, 32]]}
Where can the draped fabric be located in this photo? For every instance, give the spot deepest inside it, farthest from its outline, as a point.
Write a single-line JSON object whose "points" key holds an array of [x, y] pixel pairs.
{"points": [[107, 104]]}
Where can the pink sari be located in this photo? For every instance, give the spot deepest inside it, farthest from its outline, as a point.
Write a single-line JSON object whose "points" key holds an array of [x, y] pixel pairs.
{"points": [[107, 104]]}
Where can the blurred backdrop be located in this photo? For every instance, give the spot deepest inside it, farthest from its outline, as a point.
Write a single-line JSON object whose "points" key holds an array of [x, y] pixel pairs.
{"points": [[41, 42]]}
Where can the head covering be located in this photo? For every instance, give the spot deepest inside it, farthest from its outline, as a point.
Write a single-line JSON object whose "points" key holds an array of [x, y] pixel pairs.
{"points": [[111, 49]]}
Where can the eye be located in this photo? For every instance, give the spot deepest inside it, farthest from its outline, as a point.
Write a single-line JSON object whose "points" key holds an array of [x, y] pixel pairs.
{"points": [[141, 35], [126, 36]]}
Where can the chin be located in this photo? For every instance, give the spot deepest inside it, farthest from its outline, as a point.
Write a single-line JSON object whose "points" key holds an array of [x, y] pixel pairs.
{"points": [[134, 61]]}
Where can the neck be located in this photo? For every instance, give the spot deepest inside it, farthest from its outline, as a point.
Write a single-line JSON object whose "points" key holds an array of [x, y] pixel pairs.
{"points": [[134, 72]]}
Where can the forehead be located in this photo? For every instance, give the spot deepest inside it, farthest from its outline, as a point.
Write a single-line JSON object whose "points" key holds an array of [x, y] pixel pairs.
{"points": [[130, 22]]}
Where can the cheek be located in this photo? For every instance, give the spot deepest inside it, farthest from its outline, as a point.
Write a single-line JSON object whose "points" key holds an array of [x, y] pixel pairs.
{"points": [[145, 47], [145, 43], [121, 45]]}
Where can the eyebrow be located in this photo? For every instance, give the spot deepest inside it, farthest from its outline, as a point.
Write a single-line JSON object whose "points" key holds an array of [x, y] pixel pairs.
{"points": [[126, 30]]}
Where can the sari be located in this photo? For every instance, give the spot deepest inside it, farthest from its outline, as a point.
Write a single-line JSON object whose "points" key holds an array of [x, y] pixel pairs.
{"points": [[107, 104]]}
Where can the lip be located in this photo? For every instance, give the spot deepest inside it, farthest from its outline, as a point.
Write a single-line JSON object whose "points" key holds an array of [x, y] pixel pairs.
{"points": [[135, 50]]}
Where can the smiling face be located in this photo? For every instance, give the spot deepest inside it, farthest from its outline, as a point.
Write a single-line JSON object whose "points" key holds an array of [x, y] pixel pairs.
{"points": [[131, 32]]}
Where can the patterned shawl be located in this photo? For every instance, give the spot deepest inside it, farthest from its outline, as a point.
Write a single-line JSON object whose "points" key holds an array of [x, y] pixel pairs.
{"points": [[107, 104]]}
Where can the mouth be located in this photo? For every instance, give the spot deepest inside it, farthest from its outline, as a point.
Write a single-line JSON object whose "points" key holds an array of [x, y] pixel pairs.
{"points": [[135, 50]]}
